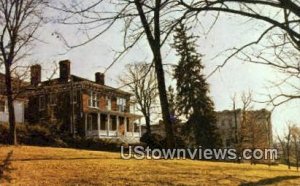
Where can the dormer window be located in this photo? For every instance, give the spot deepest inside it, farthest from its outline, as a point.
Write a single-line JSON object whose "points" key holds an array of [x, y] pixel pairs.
{"points": [[94, 100]]}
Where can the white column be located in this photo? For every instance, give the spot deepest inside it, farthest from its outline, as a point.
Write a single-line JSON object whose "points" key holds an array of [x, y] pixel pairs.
{"points": [[125, 123], [132, 126], [140, 128], [98, 122], [118, 123], [108, 124], [85, 124]]}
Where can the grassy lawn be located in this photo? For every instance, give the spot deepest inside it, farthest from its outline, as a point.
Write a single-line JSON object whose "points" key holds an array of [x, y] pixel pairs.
{"points": [[25, 165]]}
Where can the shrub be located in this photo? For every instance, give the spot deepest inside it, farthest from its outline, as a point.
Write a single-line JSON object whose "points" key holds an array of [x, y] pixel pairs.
{"points": [[40, 135], [4, 133], [157, 141], [31, 135], [153, 140], [92, 143]]}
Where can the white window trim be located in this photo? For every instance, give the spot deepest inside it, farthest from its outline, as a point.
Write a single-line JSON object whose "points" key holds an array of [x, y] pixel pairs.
{"points": [[108, 102], [121, 103], [94, 97], [90, 123]]}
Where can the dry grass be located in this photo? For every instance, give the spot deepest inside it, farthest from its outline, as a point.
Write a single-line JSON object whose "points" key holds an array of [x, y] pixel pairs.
{"points": [[57, 166]]}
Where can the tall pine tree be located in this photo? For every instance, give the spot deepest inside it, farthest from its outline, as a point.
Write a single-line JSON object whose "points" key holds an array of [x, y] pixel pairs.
{"points": [[193, 99]]}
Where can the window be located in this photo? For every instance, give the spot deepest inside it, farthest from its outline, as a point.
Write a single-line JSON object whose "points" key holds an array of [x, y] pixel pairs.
{"points": [[94, 100], [128, 128], [121, 102], [42, 103], [136, 127], [113, 120], [92, 122], [103, 122], [52, 99], [2, 106], [108, 103]]}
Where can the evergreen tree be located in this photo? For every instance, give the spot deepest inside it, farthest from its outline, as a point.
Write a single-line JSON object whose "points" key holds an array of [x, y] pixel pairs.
{"points": [[193, 99]]}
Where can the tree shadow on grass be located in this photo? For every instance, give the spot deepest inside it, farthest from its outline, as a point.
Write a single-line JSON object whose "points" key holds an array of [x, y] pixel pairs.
{"points": [[268, 181], [4, 167]]}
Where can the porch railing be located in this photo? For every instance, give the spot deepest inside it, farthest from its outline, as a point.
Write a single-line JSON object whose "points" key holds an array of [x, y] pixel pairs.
{"points": [[110, 133]]}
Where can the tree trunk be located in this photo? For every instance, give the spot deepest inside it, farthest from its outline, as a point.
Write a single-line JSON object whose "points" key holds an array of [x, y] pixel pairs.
{"points": [[12, 138], [288, 158], [237, 144], [148, 128], [297, 155], [253, 141], [154, 42], [164, 101]]}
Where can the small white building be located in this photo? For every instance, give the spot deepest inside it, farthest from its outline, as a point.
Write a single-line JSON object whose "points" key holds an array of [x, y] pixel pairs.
{"points": [[19, 106], [19, 103]]}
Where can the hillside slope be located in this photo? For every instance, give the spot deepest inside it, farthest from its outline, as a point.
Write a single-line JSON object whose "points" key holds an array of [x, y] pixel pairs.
{"points": [[25, 165]]}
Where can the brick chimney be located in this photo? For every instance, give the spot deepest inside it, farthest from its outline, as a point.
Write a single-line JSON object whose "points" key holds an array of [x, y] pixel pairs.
{"points": [[100, 78], [64, 70], [35, 74]]}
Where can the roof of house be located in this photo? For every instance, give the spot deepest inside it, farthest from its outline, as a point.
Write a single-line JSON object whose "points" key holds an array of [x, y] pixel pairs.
{"points": [[259, 114], [240, 110], [76, 81]]}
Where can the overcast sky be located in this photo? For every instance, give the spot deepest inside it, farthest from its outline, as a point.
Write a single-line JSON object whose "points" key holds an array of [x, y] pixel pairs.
{"points": [[228, 32]]}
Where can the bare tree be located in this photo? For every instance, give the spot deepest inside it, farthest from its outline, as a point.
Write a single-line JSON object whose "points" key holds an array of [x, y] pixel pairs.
{"points": [[142, 19], [282, 145], [295, 133], [247, 128], [233, 99], [281, 38], [237, 133], [141, 80], [246, 99], [20, 20], [286, 145], [290, 143], [255, 129]]}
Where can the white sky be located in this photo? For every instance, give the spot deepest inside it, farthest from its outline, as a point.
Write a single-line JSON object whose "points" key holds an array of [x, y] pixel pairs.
{"points": [[229, 32]]}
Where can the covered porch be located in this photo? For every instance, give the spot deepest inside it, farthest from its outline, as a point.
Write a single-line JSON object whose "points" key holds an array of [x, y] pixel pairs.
{"points": [[112, 125]]}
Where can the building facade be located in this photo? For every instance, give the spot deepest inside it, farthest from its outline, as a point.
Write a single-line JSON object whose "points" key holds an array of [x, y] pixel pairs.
{"points": [[249, 129], [237, 129], [80, 106]]}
